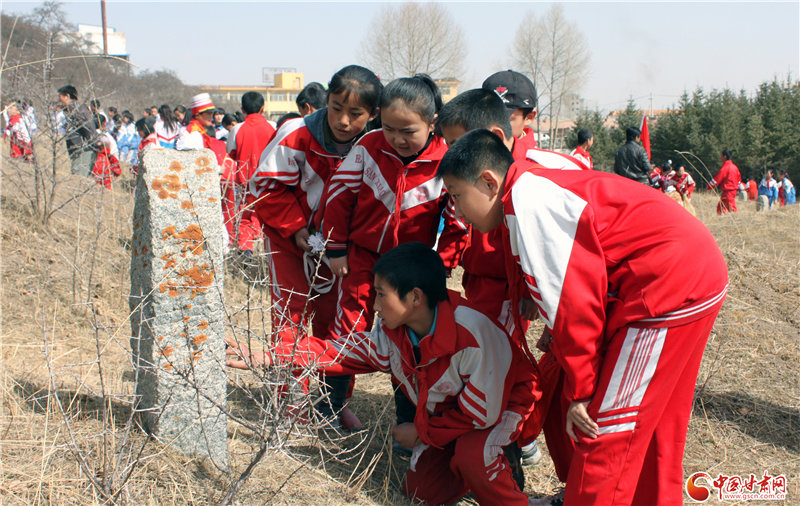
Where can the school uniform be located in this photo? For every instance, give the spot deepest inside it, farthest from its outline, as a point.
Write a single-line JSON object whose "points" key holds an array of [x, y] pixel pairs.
{"points": [[727, 179], [107, 163], [287, 189], [471, 387], [249, 140], [167, 136], [583, 156], [628, 326], [376, 201], [17, 132]]}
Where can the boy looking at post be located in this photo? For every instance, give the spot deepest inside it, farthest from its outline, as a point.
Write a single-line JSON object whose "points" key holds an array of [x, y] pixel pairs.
{"points": [[628, 327], [472, 388]]}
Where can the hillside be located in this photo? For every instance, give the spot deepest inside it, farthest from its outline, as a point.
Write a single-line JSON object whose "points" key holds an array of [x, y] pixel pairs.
{"points": [[65, 319]]}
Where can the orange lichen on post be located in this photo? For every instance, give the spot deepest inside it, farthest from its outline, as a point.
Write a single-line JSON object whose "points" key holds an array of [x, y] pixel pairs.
{"points": [[187, 204], [176, 166], [186, 318], [202, 325], [168, 186], [212, 199], [170, 287], [192, 235], [167, 367], [199, 339], [204, 165], [167, 351]]}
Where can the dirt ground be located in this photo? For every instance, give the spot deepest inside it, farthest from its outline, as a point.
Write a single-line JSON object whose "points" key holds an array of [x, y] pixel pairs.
{"points": [[65, 320]]}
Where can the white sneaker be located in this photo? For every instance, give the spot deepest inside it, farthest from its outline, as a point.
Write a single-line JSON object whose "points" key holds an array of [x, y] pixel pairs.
{"points": [[531, 455]]}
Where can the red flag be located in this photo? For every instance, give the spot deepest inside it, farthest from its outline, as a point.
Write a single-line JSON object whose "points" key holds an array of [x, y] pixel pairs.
{"points": [[645, 136]]}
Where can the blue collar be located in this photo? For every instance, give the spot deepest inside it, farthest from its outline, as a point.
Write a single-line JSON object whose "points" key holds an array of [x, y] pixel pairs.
{"points": [[413, 335]]}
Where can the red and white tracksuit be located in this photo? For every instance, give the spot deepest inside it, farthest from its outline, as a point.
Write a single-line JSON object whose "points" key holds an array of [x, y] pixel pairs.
{"points": [[628, 326], [583, 156], [727, 179], [287, 187], [19, 137], [472, 389], [107, 163], [374, 203], [485, 280], [250, 140]]}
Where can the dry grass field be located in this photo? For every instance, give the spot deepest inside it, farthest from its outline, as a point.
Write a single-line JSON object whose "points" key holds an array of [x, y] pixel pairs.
{"points": [[65, 321]]}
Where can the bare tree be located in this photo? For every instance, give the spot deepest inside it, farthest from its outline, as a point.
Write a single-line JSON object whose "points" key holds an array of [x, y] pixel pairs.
{"points": [[553, 52], [414, 38]]}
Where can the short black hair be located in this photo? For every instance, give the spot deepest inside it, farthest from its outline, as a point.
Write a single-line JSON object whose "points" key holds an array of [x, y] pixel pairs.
{"points": [[414, 265], [631, 133], [95, 103], [70, 90], [584, 134], [419, 93], [252, 102], [313, 94], [127, 114], [473, 153], [473, 109], [227, 120], [283, 119], [219, 110], [146, 125], [726, 153]]}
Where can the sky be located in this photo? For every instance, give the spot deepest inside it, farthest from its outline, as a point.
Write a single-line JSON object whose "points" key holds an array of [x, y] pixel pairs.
{"points": [[649, 51]]}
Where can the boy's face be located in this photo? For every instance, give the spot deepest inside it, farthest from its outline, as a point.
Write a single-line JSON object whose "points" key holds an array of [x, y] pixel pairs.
{"points": [[479, 203], [393, 310], [519, 121]]}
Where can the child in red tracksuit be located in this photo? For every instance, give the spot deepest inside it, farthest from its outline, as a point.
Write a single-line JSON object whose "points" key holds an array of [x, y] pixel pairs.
{"points": [[107, 163], [628, 327], [384, 194], [727, 179], [472, 389], [249, 141], [18, 134], [484, 278], [287, 189]]}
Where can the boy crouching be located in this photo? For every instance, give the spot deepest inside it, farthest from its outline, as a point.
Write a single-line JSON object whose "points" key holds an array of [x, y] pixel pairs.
{"points": [[471, 386]]}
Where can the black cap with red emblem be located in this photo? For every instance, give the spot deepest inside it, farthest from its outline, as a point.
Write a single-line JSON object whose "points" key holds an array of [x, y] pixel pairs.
{"points": [[516, 90]]}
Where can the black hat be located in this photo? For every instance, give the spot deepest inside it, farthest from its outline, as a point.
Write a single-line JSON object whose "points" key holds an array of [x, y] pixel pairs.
{"points": [[516, 90]]}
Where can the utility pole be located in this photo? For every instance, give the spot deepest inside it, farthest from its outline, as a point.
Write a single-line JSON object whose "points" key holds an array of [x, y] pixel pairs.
{"points": [[105, 31]]}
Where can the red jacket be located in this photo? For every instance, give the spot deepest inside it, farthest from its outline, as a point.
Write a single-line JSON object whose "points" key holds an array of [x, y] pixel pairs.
{"points": [[251, 139], [377, 202], [585, 246], [728, 177], [469, 376], [484, 255], [290, 179], [583, 156]]}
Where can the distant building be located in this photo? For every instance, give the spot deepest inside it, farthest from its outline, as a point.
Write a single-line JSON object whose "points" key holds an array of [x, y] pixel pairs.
{"points": [[448, 87], [92, 38], [279, 99]]}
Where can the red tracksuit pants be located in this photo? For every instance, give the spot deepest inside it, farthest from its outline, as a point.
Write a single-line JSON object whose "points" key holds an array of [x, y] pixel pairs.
{"points": [[356, 296], [727, 202], [289, 288], [642, 404], [442, 476]]}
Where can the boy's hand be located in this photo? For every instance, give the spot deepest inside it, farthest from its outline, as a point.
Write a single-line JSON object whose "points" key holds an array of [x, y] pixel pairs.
{"points": [[301, 239], [406, 435], [578, 417], [244, 358], [544, 342], [339, 266], [528, 310]]}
